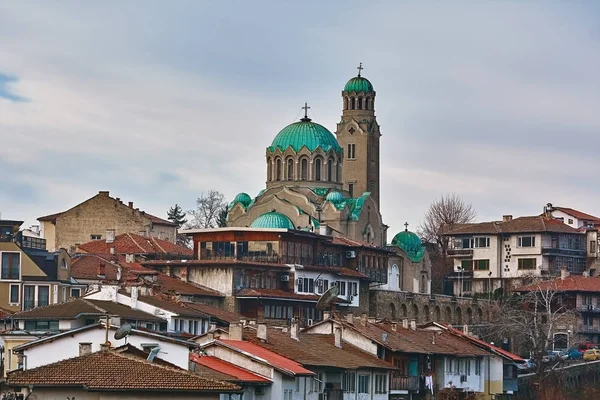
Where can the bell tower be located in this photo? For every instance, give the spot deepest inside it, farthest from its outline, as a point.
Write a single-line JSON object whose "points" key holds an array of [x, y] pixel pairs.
{"points": [[358, 134]]}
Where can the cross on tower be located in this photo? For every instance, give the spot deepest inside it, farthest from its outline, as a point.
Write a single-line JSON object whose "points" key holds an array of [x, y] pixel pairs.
{"points": [[359, 68], [306, 108], [406, 226]]}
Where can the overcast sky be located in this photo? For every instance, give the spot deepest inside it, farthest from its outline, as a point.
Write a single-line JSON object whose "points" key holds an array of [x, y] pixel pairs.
{"points": [[158, 101]]}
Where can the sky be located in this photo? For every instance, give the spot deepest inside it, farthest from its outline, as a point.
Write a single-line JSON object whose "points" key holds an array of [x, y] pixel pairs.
{"points": [[158, 102]]}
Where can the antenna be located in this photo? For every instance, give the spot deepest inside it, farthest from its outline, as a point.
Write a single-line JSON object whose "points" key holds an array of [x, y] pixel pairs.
{"points": [[123, 332], [328, 298]]}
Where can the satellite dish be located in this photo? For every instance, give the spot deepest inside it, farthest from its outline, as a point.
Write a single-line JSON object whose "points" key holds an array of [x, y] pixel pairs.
{"points": [[123, 331], [329, 297]]}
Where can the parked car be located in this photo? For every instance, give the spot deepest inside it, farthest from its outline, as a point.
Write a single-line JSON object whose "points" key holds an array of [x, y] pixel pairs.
{"points": [[591, 355], [552, 356], [526, 367], [586, 346], [571, 354]]}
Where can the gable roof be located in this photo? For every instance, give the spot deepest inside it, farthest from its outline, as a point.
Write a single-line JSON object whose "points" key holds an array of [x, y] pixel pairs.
{"points": [[110, 370], [501, 352], [215, 312], [577, 214], [529, 224], [571, 283], [132, 243], [228, 371]]}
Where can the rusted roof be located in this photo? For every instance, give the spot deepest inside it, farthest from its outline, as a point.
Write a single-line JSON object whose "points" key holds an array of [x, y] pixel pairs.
{"points": [[530, 224], [342, 241], [571, 283], [178, 308], [109, 370], [132, 243], [276, 294], [235, 373]]}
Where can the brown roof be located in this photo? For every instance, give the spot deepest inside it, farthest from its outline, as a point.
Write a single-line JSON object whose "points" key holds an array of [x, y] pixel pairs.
{"points": [[78, 307], [217, 262], [115, 371], [276, 294], [341, 271], [178, 308], [531, 224], [342, 241], [215, 368], [571, 283], [316, 350], [216, 312], [4, 313], [132, 243], [577, 214]]}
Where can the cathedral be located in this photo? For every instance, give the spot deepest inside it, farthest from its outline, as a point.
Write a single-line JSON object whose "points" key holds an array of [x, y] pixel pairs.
{"points": [[321, 182]]}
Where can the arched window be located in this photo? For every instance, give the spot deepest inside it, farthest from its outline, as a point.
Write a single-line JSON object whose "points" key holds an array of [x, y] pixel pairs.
{"points": [[426, 316], [278, 169], [345, 103], [318, 163], [393, 311], [403, 311], [290, 169], [366, 103], [360, 103], [469, 316], [448, 315], [330, 170], [459, 319], [415, 312], [269, 170], [352, 103], [304, 169], [438, 314]]}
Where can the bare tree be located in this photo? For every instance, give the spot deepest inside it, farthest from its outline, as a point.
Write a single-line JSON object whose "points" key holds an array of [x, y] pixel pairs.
{"points": [[209, 207], [441, 216]]}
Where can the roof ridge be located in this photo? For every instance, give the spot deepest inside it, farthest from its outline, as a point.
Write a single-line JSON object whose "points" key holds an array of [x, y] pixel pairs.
{"points": [[87, 301], [155, 241], [136, 243]]}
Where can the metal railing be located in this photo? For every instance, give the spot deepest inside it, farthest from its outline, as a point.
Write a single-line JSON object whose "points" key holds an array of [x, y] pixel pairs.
{"points": [[588, 329]]}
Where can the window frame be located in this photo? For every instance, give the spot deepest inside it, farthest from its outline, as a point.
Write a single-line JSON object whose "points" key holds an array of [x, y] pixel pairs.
{"points": [[10, 292], [476, 264], [71, 292], [521, 261], [477, 240], [20, 258], [521, 238], [363, 383], [349, 382]]}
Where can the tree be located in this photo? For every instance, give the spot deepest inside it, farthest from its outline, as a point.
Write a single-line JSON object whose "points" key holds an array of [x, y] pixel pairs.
{"points": [[209, 207], [222, 220], [440, 217], [177, 216]]}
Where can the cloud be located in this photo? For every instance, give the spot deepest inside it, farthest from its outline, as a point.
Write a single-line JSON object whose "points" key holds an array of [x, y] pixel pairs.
{"points": [[157, 103]]}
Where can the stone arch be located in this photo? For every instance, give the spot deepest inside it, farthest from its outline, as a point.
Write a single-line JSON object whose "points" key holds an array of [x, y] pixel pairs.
{"points": [[318, 162], [303, 173], [458, 314], [352, 103], [346, 103], [415, 311], [437, 314], [448, 315], [366, 103], [393, 312], [469, 315], [426, 316], [360, 103], [403, 311], [330, 167], [479, 314], [289, 168], [278, 169]]}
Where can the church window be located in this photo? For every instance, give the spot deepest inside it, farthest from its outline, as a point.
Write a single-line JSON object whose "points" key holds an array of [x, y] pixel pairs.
{"points": [[366, 103], [278, 169], [351, 189], [304, 169], [360, 103], [351, 151], [269, 170], [345, 103], [318, 163], [290, 169], [330, 170], [352, 103]]}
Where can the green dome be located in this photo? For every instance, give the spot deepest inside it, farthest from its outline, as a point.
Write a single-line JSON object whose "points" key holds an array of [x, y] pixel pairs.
{"points": [[243, 198], [272, 220], [305, 133], [411, 244], [335, 197], [358, 84]]}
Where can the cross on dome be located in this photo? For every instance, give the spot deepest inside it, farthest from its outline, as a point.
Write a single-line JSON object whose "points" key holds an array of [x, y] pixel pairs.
{"points": [[359, 68], [306, 108], [406, 226]]}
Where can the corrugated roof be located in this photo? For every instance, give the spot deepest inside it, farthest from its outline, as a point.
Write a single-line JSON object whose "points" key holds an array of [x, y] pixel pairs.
{"points": [[236, 373]]}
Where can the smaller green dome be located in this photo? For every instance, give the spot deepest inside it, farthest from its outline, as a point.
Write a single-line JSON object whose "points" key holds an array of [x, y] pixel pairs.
{"points": [[411, 244], [335, 197], [273, 220], [358, 84], [243, 198]]}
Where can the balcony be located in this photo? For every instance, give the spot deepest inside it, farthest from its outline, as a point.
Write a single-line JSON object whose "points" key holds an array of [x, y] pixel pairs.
{"points": [[588, 329], [460, 253], [402, 382], [378, 275], [588, 308], [556, 251]]}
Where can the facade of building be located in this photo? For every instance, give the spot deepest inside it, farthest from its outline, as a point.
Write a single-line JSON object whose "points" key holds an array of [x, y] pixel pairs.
{"points": [[500, 254], [100, 217]]}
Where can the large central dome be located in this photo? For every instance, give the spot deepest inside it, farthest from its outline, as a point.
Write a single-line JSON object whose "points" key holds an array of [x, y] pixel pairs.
{"points": [[305, 133]]}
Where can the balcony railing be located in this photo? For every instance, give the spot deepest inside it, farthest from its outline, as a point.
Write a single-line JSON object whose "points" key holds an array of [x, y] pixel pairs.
{"points": [[460, 252], [402, 382], [588, 329], [588, 308]]}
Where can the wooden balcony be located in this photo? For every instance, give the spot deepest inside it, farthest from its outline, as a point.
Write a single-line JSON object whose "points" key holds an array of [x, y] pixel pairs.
{"points": [[403, 382]]}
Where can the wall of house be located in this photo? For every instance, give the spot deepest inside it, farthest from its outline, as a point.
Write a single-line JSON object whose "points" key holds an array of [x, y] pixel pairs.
{"points": [[11, 361], [242, 361], [81, 394], [48, 232], [216, 278], [445, 378], [493, 375], [68, 346], [511, 253], [330, 277]]}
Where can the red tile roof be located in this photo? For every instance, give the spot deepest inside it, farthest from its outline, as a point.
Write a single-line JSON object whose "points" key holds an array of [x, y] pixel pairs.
{"points": [[335, 270], [276, 294], [571, 283], [531, 224], [116, 372], [278, 361], [217, 262], [4, 313], [577, 214], [342, 241], [491, 347], [238, 374], [132, 243]]}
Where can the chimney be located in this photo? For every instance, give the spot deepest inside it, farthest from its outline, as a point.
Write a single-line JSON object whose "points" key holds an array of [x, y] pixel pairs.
{"points": [[363, 319], [337, 334], [212, 326], [350, 318], [466, 329], [235, 331], [322, 229], [506, 218], [100, 270], [326, 315], [564, 272], [134, 297], [261, 332], [85, 348], [130, 204], [413, 325], [104, 346], [130, 258], [294, 330], [405, 323], [110, 235], [104, 192], [394, 326], [119, 272]]}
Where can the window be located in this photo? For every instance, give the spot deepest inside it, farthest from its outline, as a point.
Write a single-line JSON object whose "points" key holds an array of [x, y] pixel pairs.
{"points": [[14, 294], [306, 285], [11, 266], [37, 325], [318, 163], [482, 242], [64, 294], [43, 295], [478, 366], [510, 371], [481, 265], [351, 151], [351, 189], [95, 237], [354, 289], [349, 382], [304, 169], [75, 292], [363, 384], [297, 384], [380, 383], [317, 383], [467, 265], [527, 263], [278, 169], [526, 241], [330, 170], [592, 246], [570, 221], [290, 169], [467, 286], [279, 312], [342, 286], [28, 297], [468, 243]]}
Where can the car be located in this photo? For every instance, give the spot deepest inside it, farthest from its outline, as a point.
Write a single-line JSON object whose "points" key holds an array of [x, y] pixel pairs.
{"points": [[552, 356], [586, 346], [571, 354], [526, 367], [591, 355]]}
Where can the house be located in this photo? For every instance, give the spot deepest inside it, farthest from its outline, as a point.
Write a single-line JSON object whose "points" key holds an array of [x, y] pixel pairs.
{"points": [[448, 361], [97, 217], [574, 218], [29, 276], [501, 254], [110, 374], [138, 247]]}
